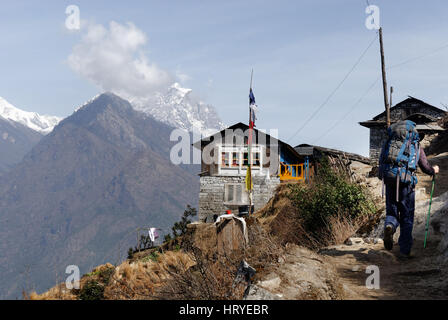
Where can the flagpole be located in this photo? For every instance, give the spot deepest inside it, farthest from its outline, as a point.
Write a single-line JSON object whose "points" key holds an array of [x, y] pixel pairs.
{"points": [[249, 156]]}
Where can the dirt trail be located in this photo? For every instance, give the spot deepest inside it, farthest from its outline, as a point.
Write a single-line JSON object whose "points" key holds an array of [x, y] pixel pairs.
{"points": [[422, 277]]}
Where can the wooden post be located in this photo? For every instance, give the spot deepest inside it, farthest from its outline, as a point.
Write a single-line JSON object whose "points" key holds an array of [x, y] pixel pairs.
{"points": [[249, 151], [383, 71], [391, 91]]}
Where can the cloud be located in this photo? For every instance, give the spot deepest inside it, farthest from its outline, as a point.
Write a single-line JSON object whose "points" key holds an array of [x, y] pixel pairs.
{"points": [[113, 59], [183, 77]]}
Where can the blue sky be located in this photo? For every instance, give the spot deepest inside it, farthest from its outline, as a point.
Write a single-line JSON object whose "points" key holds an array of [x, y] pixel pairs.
{"points": [[300, 51]]}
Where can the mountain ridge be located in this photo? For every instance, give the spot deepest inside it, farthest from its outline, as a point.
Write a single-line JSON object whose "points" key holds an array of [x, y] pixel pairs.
{"points": [[179, 108], [102, 172], [43, 124]]}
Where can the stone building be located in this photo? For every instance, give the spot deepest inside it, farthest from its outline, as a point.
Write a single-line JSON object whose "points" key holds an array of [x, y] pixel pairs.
{"points": [[224, 166], [423, 114]]}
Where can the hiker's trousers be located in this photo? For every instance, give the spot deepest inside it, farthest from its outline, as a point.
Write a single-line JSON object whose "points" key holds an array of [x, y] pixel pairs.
{"points": [[401, 213]]}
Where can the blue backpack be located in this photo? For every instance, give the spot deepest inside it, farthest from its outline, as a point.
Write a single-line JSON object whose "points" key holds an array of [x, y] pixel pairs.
{"points": [[400, 153]]}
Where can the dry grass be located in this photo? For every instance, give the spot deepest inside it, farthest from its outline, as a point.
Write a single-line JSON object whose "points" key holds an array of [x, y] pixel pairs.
{"points": [[199, 271], [140, 279], [340, 228], [206, 280], [60, 292], [283, 221], [213, 275], [130, 281]]}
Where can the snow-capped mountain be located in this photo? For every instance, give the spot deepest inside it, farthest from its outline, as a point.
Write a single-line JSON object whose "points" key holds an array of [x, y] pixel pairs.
{"points": [[41, 123], [178, 108], [87, 103]]}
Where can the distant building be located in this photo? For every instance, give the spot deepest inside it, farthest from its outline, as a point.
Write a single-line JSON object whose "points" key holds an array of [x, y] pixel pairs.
{"points": [[222, 180], [423, 114], [315, 153]]}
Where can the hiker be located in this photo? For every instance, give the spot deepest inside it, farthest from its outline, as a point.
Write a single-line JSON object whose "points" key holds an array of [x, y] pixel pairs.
{"points": [[400, 156]]}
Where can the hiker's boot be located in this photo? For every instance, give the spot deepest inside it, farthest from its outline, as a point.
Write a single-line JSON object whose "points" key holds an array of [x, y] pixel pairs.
{"points": [[389, 237]]}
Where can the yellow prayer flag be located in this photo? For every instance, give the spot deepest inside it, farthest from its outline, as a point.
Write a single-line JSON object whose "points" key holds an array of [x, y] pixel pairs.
{"points": [[249, 184]]}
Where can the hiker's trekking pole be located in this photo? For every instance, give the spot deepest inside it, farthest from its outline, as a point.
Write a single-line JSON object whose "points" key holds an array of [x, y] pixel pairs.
{"points": [[429, 210]]}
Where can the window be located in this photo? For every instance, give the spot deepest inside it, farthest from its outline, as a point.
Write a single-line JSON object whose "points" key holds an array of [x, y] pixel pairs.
{"points": [[225, 160], [245, 159], [235, 159], [267, 160], [235, 194], [229, 195], [255, 159]]}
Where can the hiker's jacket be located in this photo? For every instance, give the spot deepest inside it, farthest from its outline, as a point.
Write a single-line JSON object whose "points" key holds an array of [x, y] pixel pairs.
{"points": [[424, 164]]}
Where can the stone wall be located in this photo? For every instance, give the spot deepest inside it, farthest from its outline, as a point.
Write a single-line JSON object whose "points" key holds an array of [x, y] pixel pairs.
{"points": [[377, 138], [427, 140], [211, 194]]}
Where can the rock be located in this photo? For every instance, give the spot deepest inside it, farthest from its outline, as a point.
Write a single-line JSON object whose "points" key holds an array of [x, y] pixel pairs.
{"points": [[353, 241], [271, 284], [230, 236], [378, 241], [356, 268], [440, 227], [258, 293], [304, 275]]}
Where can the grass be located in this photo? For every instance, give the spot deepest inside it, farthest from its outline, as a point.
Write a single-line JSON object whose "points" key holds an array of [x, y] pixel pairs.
{"points": [[327, 211]]}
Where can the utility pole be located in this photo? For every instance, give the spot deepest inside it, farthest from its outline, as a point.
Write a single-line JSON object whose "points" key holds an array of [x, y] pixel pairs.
{"points": [[383, 70], [391, 91]]}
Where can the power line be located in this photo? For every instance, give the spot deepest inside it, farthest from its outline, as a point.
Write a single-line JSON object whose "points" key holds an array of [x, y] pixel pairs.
{"points": [[373, 85], [349, 111], [418, 57], [334, 91]]}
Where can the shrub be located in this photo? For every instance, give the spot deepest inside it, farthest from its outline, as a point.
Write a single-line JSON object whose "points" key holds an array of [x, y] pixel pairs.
{"points": [[180, 228], [105, 274], [329, 202], [92, 290], [144, 243], [130, 253], [153, 256]]}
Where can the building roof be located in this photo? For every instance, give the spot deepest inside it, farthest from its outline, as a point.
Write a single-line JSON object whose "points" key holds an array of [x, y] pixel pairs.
{"points": [[428, 127], [419, 118], [310, 150], [406, 102], [205, 141]]}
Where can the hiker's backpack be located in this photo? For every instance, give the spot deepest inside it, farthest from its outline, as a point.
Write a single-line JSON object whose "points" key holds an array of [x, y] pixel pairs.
{"points": [[400, 153]]}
